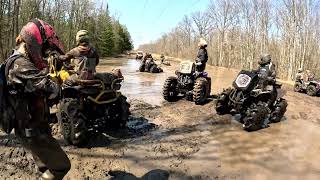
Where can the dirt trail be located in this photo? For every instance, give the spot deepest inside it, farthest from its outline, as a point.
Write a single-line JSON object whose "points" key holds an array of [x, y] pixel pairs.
{"points": [[188, 141]]}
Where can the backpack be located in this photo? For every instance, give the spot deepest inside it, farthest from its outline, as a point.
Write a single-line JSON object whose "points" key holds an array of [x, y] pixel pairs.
{"points": [[7, 113]]}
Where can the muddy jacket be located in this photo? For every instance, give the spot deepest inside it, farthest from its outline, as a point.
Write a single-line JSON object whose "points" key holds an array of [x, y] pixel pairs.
{"points": [[267, 71], [267, 76], [85, 59], [299, 76], [28, 90], [202, 58]]}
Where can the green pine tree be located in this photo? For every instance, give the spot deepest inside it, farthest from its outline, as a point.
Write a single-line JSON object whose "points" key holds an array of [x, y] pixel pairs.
{"points": [[107, 41]]}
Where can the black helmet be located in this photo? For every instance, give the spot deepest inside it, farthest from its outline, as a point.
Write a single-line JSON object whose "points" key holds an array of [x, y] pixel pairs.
{"points": [[265, 59]]}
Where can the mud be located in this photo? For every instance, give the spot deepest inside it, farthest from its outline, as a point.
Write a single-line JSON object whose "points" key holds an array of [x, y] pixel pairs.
{"points": [[185, 141]]}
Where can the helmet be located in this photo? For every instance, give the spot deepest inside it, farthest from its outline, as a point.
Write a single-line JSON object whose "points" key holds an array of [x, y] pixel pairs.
{"points": [[265, 59], [39, 36], [300, 70], [202, 43], [82, 36]]}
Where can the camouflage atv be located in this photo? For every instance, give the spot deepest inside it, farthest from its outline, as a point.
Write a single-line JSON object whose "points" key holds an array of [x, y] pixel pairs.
{"points": [[312, 88], [149, 65], [89, 107], [189, 83]]}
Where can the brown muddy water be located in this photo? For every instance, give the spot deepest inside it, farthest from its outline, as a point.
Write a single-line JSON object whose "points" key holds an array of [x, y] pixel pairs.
{"points": [[188, 141], [148, 86]]}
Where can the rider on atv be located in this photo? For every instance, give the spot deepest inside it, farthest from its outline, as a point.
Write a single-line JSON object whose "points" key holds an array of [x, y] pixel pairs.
{"points": [[148, 56], [85, 57], [202, 56], [148, 65], [267, 74]]}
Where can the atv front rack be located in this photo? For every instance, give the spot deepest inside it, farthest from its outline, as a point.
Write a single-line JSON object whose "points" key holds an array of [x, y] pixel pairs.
{"points": [[98, 101], [103, 91]]}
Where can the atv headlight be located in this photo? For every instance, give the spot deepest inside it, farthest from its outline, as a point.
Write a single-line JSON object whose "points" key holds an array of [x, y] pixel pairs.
{"points": [[243, 80]]}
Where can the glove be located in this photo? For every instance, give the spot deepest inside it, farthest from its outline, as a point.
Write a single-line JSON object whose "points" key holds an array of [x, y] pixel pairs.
{"points": [[54, 90]]}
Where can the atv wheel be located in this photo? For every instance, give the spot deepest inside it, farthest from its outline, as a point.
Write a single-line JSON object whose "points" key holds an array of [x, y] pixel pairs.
{"points": [[72, 123], [200, 91], [311, 90], [142, 68], [297, 87], [209, 86], [280, 109], [121, 112], [170, 92], [255, 116], [222, 106], [154, 69]]}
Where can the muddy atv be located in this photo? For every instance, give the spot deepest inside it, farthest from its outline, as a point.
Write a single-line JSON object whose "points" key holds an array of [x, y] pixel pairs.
{"points": [[257, 106], [149, 65], [139, 55], [87, 108], [193, 85], [312, 88]]}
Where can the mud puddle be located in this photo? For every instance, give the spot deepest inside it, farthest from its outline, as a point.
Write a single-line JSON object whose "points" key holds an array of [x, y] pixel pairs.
{"points": [[140, 85]]}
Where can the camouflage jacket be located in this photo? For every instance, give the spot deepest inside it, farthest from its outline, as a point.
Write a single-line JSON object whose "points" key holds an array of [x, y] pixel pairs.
{"points": [[85, 58], [28, 88], [299, 76], [24, 78], [267, 71]]}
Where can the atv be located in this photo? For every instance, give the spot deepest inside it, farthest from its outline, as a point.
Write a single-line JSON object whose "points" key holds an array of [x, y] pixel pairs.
{"points": [[149, 65], [257, 105], [89, 107], [195, 86], [312, 88]]}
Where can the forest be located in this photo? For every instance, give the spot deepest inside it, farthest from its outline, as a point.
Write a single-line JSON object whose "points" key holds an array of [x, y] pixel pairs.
{"points": [[109, 36], [239, 31]]}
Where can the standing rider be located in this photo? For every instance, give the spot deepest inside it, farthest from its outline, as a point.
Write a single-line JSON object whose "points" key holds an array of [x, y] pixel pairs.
{"points": [[267, 73], [300, 75], [29, 89], [202, 56], [162, 58], [85, 57]]}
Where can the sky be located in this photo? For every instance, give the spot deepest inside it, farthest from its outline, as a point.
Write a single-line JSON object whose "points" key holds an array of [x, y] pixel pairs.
{"points": [[147, 20]]}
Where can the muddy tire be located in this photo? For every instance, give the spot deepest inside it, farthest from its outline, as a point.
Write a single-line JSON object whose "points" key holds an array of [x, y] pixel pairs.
{"points": [[297, 87], [222, 105], [142, 68], [170, 91], [154, 69], [72, 123], [280, 109], [255, 117], [200, 91], [122, 113], [209, 86], [311, 90]]}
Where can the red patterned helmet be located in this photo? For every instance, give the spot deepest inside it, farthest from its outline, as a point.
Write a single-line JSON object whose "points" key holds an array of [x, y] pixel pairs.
{"points": [[40, 36]]}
